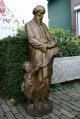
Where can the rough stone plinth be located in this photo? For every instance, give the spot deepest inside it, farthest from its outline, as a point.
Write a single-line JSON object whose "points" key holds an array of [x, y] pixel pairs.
{"points": [[65, 69]]}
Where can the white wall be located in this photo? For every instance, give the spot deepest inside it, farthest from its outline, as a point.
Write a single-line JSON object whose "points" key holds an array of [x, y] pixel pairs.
{"points": [[18, 12]]}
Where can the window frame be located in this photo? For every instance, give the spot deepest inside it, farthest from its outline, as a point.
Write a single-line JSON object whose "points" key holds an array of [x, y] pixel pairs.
{"points": [[77, 10]]}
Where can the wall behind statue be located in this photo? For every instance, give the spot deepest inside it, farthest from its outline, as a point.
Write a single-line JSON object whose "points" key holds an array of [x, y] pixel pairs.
{"points": [[60, 14], [14, 13]]}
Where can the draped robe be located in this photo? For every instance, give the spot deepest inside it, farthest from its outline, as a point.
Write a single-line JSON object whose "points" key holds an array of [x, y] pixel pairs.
{"points": [[38, 37]]}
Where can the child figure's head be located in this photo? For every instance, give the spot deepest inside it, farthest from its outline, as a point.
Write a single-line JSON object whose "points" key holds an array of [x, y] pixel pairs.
{"points": [[27, 66]]}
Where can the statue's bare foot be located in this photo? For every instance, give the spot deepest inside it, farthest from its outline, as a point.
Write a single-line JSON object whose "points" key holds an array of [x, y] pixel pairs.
{"points": [[30, 106], [35, 107], [46, 105]]}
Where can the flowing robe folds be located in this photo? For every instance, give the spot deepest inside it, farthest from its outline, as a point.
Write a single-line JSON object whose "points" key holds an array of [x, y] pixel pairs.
{"points": [[38, 37]]}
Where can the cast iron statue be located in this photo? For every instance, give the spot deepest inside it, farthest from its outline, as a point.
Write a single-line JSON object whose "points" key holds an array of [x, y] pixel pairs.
{"points": [[37, 79]]}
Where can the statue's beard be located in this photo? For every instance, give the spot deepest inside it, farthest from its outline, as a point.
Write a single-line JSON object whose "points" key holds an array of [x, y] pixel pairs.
{"points": [[39, 22]]}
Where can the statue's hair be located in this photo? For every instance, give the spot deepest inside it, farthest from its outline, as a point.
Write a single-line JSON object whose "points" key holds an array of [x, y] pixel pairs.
{"points": [[27, 62], [38, 8]]}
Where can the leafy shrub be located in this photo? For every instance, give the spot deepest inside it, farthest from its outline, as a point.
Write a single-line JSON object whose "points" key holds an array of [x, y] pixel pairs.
{"points": [[69, 45], [63, 86]]}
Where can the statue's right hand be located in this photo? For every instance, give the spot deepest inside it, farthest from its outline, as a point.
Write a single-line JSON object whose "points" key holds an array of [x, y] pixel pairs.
{"points": [[44, 49]]}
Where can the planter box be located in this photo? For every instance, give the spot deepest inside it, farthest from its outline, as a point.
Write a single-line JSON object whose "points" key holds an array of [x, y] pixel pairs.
{"points": [[65, 69]]}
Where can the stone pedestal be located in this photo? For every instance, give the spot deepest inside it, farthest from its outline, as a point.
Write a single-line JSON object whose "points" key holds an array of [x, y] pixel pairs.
{"points": [[46, 109]]}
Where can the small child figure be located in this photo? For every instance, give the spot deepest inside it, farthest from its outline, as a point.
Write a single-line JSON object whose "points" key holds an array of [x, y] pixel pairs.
{"points": [[28, 84], [34, 91]]}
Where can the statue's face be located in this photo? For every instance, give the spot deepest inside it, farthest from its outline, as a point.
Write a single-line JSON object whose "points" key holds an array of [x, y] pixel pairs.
{"points": [[39, 16], [27, 67]]}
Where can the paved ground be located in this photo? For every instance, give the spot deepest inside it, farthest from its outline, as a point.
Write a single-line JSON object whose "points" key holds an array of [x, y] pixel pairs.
{"points": [[66, 105]]}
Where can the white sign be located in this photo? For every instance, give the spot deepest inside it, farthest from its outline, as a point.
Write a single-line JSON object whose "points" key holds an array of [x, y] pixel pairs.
{"points": [[14, 13]]}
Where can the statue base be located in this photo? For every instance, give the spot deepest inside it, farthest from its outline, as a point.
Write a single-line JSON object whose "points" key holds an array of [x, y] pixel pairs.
{"points": [[39, 111]]}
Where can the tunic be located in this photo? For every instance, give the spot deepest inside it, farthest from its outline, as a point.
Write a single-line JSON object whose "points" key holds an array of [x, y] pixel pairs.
{"points": [[38, 37]]}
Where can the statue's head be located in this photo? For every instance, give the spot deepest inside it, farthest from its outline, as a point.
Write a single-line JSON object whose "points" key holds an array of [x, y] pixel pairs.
{"points": [[27, 66], [38, 13]]}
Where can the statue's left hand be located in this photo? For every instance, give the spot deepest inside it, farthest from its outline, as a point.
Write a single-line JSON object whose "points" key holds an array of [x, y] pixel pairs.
{"points": [[56, 49], [51, 44]]}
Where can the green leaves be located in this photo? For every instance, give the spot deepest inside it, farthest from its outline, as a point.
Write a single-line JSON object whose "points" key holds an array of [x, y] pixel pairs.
{"points": [[64, 86], [69, 45]]}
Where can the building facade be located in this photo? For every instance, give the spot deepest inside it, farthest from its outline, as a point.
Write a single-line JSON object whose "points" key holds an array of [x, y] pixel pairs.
{"points": [[75, 15], [65, 14], [59, 13]]}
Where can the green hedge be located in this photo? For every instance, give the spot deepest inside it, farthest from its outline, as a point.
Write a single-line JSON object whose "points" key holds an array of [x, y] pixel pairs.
{"points": [[14, 51]]}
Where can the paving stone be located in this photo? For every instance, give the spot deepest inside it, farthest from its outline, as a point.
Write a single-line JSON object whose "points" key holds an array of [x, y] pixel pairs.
{"points": [[9, 103], [77, 101], [64, 117], [75, 108], [5, 108], [56, 106], [3, 118], [65, 102], [65, 107], [53, 116], [50, 98], [33, 117], [56, 101], [68, 114], [63, 96], [74, 94], [57, 112], [45, 117], [76, 118], [29, 117], [74, 103], [79, 116], [1, 112], [19, 116], [10, 115], [73, 99], [56, 97], [66, 96], [77, 91], [2, 101], [38, 117], [19, 107], [23, 112], [75, 113], [70, 105], [14, 110]]}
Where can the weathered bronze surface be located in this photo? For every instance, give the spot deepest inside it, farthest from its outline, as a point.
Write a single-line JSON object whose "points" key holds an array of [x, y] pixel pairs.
{"points": [[37, 79]]}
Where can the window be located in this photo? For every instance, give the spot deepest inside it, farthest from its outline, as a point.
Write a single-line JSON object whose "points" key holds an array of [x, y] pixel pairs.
{"points": [[78, 23], [77, 9]]}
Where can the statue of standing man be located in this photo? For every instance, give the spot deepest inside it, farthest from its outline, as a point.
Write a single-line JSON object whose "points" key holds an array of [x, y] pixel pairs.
{"points": [[42, 49]]}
